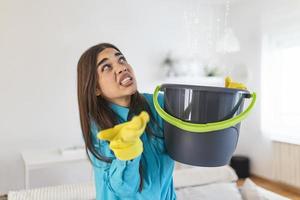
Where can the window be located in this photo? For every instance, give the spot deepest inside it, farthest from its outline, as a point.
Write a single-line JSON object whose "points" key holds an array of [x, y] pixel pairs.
{"points": [[280, 83]]}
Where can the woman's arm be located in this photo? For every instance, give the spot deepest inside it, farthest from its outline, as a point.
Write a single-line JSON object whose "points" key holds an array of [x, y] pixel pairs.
{"points": [[121, 177]]}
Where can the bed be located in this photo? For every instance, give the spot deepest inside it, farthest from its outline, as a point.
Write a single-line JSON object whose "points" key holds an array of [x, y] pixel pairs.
{"points": [[217, 183], [191, 183]]}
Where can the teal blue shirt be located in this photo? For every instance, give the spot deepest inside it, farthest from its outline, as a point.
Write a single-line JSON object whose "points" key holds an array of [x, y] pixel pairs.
{"points": [[121, 179]]}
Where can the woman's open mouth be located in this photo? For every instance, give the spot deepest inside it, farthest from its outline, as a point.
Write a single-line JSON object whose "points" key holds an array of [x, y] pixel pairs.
{"points": [[126, 80]]}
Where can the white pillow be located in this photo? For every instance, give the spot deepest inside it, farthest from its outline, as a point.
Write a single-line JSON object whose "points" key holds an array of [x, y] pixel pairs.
{"points": [[249, 191], [216, 191], [203, 175], [268, 195]]}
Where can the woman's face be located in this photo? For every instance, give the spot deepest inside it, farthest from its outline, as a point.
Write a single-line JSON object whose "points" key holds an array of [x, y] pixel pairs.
{"points": [[116, 77]]}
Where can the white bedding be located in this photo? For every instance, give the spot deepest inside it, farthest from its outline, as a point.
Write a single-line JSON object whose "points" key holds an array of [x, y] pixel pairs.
{"points": [[268, 195], [214, 191], [203, 175], [191, 184], [217, 183], [224, 191]]}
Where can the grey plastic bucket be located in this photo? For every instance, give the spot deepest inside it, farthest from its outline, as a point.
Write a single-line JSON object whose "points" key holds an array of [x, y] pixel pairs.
{"points": [[205, 124]]}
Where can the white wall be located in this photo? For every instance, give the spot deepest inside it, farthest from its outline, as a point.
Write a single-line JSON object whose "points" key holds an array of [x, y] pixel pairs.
{"points": [[40, 44]]}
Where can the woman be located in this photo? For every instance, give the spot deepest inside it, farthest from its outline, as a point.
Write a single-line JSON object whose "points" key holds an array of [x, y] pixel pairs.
{"points": [[108, 96]]}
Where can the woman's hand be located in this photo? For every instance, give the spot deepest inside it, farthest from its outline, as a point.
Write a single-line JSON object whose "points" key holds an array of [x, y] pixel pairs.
{"points": [[125, 139]]}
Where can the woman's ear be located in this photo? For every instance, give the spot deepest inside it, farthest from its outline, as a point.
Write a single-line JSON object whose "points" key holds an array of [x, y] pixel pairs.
{"points": [[98, 92]]}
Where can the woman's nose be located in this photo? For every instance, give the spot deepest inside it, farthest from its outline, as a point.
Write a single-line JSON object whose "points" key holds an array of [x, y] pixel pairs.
{"points": [[121, 69]]}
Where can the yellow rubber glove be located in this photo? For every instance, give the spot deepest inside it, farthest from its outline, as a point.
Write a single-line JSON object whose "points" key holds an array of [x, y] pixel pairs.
{"points": [[125, 139], [230, 84]]}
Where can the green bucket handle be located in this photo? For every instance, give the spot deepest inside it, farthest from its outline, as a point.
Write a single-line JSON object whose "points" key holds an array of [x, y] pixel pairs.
{"points": [[201, 128]]}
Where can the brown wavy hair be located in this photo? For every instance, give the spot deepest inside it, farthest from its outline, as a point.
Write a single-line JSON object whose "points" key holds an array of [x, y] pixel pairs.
{"points": [[96, 108]]}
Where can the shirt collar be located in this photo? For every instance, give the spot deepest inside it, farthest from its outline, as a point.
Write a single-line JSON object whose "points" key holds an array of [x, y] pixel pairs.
{"points": [[122, 111]]}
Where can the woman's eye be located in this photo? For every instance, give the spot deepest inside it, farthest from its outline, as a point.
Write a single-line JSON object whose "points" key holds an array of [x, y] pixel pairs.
{"points": [[122, 60], [106, 67]]}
